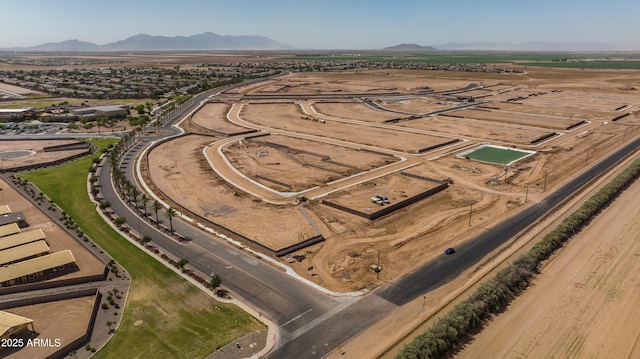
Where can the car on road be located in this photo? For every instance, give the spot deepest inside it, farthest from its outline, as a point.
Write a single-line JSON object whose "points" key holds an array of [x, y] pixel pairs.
{"points": [[449, 251]]}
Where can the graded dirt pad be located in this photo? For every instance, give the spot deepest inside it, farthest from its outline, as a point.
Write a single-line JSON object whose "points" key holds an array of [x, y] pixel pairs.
{"points": [[477, 130], [596, 102], [57, 238], [415, 234], [289, 117], [354, 111], [582, 304], [38, 155], [416, 105], [527, 107], [368, 82], [255, 87], [396, 187], [312, 84], [180, 171], [289, 164], [62, 320], [524, 119], [213, 116]]}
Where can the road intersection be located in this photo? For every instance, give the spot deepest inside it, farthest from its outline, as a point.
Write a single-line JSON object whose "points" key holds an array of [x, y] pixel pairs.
{"points": [[310, 322]]}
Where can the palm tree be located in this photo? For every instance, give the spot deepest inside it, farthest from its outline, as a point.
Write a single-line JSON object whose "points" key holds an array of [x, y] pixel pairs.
{"points": [[215, 282], [182, 262], [135, 192], [156, 207], [127, 187], [100, 121], [170, 213], [144, 200], [119, 179]]}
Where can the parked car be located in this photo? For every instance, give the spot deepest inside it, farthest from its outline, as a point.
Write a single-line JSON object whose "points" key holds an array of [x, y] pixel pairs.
{"points": [[381, 200]]}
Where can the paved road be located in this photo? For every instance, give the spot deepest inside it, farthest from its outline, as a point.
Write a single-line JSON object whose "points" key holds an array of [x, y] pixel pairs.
{"points": [[313, 324], [287, 302], [268, 290], [378, 304], [440, 271]]}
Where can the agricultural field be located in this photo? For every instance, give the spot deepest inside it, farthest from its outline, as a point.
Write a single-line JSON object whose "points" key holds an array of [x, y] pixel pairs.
{"points": [[599, 60]]}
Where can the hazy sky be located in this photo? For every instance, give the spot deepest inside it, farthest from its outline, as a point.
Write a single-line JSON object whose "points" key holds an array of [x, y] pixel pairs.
{"points": [[325, 24]]}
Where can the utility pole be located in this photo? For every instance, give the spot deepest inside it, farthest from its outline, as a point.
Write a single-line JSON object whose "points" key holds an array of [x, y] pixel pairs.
{"points": [[378, 266]]}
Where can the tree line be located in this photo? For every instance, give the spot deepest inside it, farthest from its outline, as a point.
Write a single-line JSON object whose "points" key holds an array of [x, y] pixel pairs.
{"points": [[495, 295]]}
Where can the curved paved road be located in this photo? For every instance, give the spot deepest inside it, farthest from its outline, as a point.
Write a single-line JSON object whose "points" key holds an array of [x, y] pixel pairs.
{"points": [[268, 290], [312, 323]]}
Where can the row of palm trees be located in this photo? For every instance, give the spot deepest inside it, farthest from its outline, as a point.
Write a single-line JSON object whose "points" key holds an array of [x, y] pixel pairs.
{"points": [[130, 191]]}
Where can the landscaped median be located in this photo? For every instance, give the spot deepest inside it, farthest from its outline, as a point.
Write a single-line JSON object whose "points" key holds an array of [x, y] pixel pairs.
{"points": [[493, 296], [166, 316]]}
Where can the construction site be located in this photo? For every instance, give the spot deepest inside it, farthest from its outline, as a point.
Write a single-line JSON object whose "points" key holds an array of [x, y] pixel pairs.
{"points": [[340, 171]]}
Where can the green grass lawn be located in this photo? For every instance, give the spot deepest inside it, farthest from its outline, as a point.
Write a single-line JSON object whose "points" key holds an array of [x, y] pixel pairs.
{"points": [[177, 319], [496, 155]]}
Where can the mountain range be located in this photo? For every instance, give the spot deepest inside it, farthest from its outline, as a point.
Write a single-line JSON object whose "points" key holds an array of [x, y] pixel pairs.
{"points": [[144, 42], [408, 47], [209, 41]]}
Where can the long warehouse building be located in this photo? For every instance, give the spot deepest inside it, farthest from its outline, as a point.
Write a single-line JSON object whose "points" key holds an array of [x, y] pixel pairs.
{"points": [[38, 269]]}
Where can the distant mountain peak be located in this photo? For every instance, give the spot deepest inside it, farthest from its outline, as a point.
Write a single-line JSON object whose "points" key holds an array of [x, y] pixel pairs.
{"points": [[409, 47], [67, 45]]}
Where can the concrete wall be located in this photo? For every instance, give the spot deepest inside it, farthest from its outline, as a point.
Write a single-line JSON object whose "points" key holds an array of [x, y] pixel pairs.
{"points": [[221, 228], [390, 208], [304, 244], [49, 164], [542, 138], [53, 284], [425, 149]]}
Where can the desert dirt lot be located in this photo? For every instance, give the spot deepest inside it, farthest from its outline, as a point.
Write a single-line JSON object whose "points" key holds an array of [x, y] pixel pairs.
{"points": [[581, 305], [289, 117], [48, 318], [276, 161], [37, 155], [212, 116], [221, 202], [415, 234]]}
